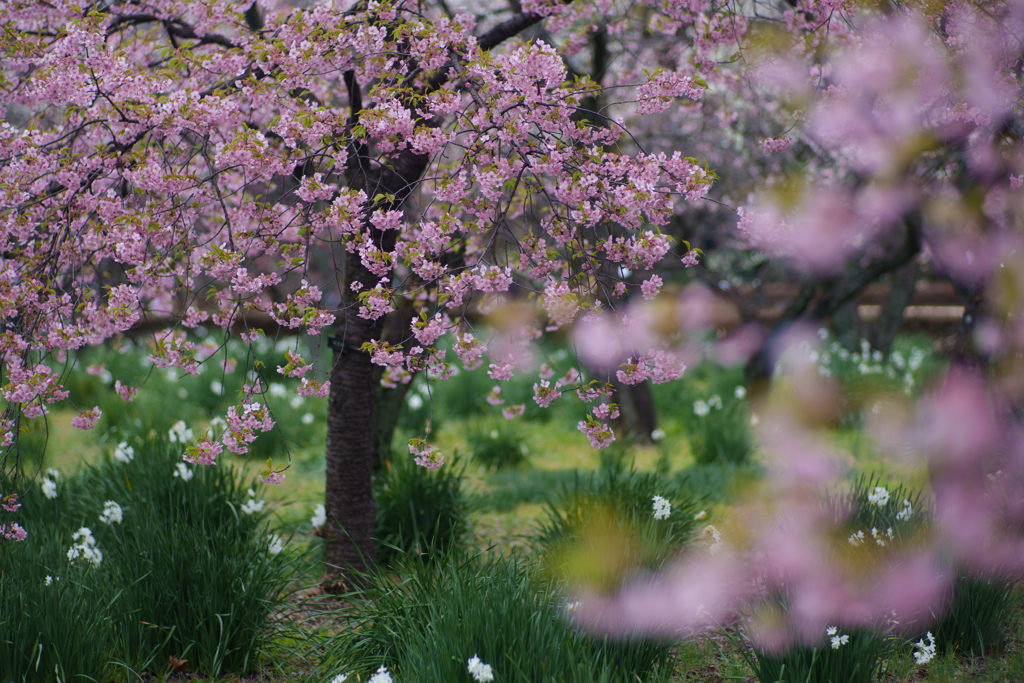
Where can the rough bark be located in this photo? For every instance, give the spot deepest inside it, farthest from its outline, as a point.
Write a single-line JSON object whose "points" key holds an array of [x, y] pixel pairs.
{"points": [[348, 499]]}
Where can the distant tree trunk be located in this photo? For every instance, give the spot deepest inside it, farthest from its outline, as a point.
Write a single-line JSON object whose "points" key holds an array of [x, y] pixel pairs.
{"points": [[901, 291], [637, 414], [388, 401], [821, 299], [387, 408], [848, 325], [965, 353]]}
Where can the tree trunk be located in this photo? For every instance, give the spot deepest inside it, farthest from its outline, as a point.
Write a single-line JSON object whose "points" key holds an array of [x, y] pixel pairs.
{"points": [[637, 414], [901, 291], [849, 328], [387, 408], [348, 498]]}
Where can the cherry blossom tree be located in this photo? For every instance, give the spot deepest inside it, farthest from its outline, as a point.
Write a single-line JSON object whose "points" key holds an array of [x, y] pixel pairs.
{"points": [[386, 172]]}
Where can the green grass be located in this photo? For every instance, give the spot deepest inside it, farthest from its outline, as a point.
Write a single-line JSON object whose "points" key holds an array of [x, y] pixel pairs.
{"points": [[187, 572], [426, 626], [506, 507]]}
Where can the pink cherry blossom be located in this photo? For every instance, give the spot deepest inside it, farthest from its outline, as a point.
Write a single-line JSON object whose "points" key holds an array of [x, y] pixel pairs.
{"points": [[87, 419]]}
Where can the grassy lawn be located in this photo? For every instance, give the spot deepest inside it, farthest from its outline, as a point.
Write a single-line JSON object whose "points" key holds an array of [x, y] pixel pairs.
{"points": [[508, 506]]}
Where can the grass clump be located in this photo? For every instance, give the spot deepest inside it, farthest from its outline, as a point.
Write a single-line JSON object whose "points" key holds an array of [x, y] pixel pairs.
{"points": [[497, 445], [720, 431], [419, 512], [427, 627], [841, 656], [896, 510], [611, 523], [186, 568], [982, 610]]}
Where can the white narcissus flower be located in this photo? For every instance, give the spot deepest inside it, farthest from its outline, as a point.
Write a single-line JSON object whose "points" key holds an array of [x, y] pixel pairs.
{"points": [[180, 433], [925, 653], [85, 547], [662, 508], [340, 678], [124, 453], [49, 488], [879, 497], [319, 516], [182, 472], [112, 513], [712, 538], [252, 505], [479, 671], [276, 545], [382, 676]]}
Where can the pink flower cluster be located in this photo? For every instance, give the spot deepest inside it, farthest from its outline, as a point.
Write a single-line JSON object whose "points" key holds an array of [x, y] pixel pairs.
{"points": [[598, 434], [13, 532], [244, 426], [87, 418], [427, 456], [657, 365]]}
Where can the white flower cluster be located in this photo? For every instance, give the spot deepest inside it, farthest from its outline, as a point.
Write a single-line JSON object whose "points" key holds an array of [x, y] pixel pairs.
{"points": [[925, 653], [183, 472], [252, 505], [662, 508], [382, 676], [276, 545], [340, 678], [868, 361], [319, 516], [880, 537], [702, 407], [85, 547], [879, 497], [703, 514], [180, 433], [905, 514], [858, 538], [838, 640], [49, 483], [479, 671], [124, 453], [712, 538], [112, 513]]}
